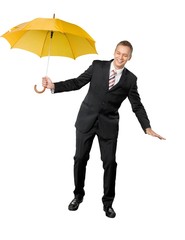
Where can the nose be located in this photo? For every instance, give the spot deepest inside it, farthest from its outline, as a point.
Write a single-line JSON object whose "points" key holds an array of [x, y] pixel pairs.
{"points": [[121, 57]]}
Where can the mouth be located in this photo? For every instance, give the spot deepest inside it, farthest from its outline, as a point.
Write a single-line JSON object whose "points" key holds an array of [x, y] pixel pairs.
{"points": [[120, 61]]}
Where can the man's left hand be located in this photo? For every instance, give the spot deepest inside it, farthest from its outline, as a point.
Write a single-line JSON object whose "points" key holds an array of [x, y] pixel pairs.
{"points": [[149, 131]]}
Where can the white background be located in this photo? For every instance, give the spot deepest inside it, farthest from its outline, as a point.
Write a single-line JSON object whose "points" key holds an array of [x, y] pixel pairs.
{"points": [[37, 134]]}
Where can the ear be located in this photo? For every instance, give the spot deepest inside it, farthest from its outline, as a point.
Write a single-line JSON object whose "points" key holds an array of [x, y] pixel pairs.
{"points": [[130, 57]]}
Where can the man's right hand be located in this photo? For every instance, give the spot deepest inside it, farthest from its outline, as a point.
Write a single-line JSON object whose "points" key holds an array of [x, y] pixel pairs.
{"points": [[47, 83]]}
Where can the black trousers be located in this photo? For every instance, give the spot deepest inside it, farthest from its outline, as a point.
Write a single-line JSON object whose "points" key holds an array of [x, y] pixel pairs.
{"points": [[108, 151]]}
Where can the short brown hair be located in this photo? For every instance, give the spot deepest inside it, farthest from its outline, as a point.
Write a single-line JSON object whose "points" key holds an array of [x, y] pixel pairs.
{"points": [[126, 43]]}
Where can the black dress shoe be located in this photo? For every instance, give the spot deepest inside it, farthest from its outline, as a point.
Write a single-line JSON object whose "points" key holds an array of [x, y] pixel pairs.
{"points": [[109, 212], [74, 204]]}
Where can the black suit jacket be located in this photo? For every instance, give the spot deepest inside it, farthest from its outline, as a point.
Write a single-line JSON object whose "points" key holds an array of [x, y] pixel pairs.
{"points": [[101, 103]]}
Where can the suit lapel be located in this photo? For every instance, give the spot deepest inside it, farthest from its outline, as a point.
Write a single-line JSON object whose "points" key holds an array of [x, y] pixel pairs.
{"points": [[122, 78], [106, 69]]}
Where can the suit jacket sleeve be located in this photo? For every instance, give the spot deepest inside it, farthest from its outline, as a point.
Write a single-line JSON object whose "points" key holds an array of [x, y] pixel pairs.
{"points": [[137, 106], [74, 83]]}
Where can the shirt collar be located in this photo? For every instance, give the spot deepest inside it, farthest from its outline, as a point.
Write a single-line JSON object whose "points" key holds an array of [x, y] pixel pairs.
{"points": [[119, 71]]}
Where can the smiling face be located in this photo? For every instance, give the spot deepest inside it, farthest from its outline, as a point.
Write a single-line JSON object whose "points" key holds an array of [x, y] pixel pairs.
{"points": [[121, 55]]}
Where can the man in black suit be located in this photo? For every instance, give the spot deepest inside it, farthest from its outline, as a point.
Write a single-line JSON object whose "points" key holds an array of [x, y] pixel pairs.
{"points": [[98, 116]]}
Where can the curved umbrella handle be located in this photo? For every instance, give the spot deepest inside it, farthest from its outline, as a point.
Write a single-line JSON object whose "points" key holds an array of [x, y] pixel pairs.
{"points": [[37, 91]]}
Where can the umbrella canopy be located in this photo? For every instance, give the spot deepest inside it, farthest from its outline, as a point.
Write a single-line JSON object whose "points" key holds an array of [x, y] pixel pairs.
{"points": [[51, 37], [68, 39]]}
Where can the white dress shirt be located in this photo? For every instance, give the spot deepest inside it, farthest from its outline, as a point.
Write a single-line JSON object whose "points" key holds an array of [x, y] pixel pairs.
{"points": [[118, 71]]}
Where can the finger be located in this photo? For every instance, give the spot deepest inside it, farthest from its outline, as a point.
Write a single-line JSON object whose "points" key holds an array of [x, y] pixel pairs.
{"points": [[44, 83], [161, 138]]}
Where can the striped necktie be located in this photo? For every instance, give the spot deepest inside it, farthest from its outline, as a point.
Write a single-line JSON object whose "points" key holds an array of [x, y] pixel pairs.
{"points": [[112, 78]]}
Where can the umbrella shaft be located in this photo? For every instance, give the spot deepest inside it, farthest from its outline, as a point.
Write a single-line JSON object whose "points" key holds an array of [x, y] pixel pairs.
{"points": [[49, 51]]}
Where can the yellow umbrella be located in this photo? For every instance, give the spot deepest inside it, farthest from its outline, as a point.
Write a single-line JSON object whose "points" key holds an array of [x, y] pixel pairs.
{"points": [[51, 37]]}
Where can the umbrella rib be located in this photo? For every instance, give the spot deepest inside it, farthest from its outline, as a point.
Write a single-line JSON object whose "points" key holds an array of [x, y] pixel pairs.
{"points": [[41, 52], [50, 44], [91, 44], [70, 46], [49, 50]]}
